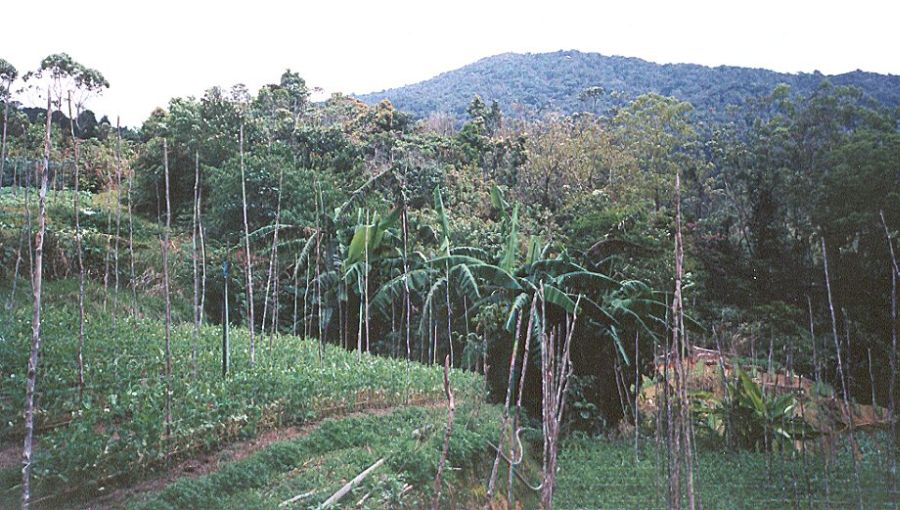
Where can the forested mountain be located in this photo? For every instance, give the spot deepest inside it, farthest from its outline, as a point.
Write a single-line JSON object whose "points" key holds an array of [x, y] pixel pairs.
{"points": [[245, 264], [563, 81]]}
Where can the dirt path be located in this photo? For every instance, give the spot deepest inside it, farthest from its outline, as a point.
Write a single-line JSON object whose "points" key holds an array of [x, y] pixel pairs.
{"points": [[212, 461]]}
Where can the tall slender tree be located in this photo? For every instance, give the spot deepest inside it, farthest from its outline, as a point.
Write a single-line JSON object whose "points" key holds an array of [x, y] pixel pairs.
{"points": [[36, 281]]}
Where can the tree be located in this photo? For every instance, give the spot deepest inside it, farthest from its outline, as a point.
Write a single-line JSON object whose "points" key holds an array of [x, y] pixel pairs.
{"points": [[658, 131], [36, 281], [57, 71]]}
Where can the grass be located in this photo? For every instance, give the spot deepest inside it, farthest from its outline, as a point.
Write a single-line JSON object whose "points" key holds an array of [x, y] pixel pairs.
{"points": [[115, 432], [600, 473], [317, 465]]}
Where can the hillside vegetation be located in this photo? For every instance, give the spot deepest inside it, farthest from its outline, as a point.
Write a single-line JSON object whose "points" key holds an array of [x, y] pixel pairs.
{"points": [[567, 268], [112, 433], [533, 84]]}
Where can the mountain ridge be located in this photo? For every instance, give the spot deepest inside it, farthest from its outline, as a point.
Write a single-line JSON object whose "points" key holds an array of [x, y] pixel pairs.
{"points": [[529, 84]]}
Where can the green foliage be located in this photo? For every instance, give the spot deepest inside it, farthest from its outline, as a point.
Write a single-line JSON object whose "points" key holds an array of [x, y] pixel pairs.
{"points": [[116, 429], [320, 463], [602, 473], [750, 418], [526, 84], [298, 200]]}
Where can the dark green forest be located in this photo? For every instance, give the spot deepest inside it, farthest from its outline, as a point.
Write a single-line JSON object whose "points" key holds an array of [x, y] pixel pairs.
{"points": [[545, 201], [531, 85]]}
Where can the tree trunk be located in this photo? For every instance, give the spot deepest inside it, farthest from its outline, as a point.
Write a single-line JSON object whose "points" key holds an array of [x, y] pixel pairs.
{"points": [[36, 281], [3, 143]]}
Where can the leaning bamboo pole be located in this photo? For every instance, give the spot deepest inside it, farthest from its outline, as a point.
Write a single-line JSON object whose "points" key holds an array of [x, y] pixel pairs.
{"points": [[118, 218], [195, 260], [895, 275], [504, 420], [518, 411], [841, 375], [134, 301]]}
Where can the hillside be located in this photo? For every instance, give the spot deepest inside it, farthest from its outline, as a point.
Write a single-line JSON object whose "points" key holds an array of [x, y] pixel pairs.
{"points": [[533, 83]]}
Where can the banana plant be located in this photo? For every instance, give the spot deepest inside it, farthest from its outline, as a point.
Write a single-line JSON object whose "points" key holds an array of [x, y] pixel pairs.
{"points": [[750, 417]]}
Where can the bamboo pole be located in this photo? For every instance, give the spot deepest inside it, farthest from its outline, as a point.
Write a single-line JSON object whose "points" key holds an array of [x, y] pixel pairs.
{"points": [[350, 485], [451, 408], [518, 409], [194, 261], [248, 265], [134, 302], [504, 421], [837, 347], [118, 219], [76, 206], [165, 261], [895, 274]]}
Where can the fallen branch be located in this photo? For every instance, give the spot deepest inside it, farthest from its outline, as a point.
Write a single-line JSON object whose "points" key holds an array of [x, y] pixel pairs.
{"points": [[518, 475], [296, 498], [351, 484]]}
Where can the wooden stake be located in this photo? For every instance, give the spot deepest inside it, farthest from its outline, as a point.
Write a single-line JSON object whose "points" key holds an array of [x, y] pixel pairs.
{"points": [[76, 206]]}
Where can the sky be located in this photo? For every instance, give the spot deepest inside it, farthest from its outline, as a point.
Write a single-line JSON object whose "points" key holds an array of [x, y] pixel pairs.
{"points": [[153, 51]]}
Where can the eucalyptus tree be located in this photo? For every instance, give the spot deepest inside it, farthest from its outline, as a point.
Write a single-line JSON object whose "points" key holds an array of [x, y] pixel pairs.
{"points": [[659, 132], [57, 72], [36, 281], [81, 82]]}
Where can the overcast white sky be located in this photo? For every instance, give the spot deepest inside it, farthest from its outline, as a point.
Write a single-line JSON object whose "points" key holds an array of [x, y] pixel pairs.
{"points": [[151, 51]]}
